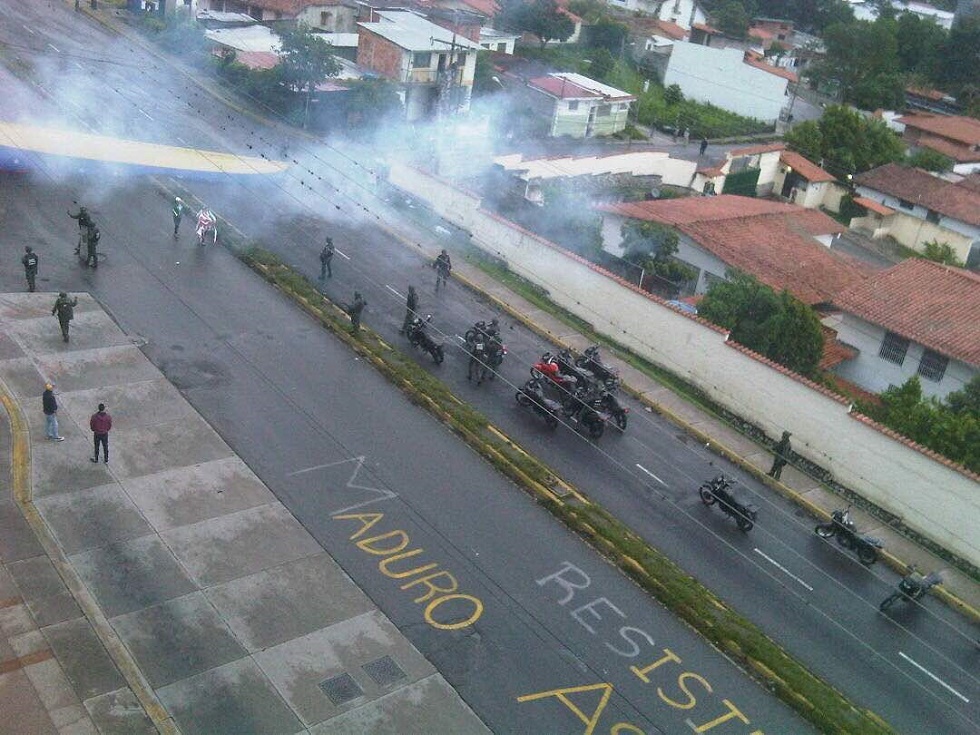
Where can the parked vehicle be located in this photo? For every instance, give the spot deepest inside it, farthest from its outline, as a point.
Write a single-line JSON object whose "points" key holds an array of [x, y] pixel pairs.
{"points": [[719, 490], [913, 586], [592, 361], [847, 535], [611, 405], [568, 365], [585, 409], [532, 395], [418, 335], [548, 367]]}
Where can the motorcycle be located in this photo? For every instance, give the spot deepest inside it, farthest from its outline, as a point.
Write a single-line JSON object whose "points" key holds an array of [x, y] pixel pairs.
{"points": [[585, 408], [847, 535], [913, 586], [418, 336], [532, 395], [719, 489], [547, 367], [611, 405], [567, 364], [592, 362]]}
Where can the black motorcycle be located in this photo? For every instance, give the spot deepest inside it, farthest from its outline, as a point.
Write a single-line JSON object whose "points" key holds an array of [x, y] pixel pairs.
{"points": [[585, 409], [847, 535], [611, 405], [568, 365], [913, 586], [719, 490], [592, 362], [419, 336], [532, 395]]}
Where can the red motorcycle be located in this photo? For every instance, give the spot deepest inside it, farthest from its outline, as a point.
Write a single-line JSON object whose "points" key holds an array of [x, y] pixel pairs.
{"points": [[547, 367]]}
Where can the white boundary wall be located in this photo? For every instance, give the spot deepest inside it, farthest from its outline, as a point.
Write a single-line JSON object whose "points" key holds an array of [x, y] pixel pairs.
{"points": [[934, 499]]}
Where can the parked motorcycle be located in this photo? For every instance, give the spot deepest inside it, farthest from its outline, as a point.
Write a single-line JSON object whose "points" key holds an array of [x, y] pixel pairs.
{"points": [[719, 489], [592, 361], [419, 336], [567, 364], [611, 405], [532, 395], [585, 408], [548, 367], [847, 535], [913, 586]]}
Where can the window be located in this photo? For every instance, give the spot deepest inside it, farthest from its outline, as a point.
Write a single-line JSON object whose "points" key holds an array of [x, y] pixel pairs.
{"points": [[573, 105], [893, 348], [324, 18], [502, 47], [932, 366], [602, 111], [933, 217], [421, 60], [905, 204]]}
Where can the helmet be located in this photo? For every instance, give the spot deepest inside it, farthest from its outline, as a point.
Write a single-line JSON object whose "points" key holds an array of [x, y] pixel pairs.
{"points": [[63, 294], [28, 249]]}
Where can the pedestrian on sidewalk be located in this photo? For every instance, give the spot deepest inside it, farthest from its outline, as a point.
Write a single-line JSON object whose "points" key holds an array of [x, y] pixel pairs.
{"points": [[411, 306], [50, 405], [326, 255], [782, 450], [687, 136], [100, 424], [30, 262], [443, 266], [64, 309], [354, 311], [704, 146], [178, 214]]}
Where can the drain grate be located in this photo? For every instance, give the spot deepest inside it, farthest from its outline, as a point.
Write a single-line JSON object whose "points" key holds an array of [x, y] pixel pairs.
{"points": [[384, 671], [341, 689]]}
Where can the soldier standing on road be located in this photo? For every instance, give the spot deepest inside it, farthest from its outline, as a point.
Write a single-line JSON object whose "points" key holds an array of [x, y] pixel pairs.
{"points": [[782, 450], [84, 223], [178, 213], [326, 255], [64, 309], [443, 266], [30, 262], [50, 405], [100, 424], [91, 245], [354, 310], [704, 146], [411, 306]]}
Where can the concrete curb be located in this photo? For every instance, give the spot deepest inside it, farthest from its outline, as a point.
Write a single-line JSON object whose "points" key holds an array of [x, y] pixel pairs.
{"points": [[23, 495]]}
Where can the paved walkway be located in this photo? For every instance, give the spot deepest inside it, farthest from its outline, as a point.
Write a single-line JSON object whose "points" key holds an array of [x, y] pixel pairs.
{"points": [[168, 589]]}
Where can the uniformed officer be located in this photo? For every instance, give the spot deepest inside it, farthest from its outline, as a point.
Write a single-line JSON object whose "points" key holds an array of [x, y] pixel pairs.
{"points": [[64, 309], [30, 266]]}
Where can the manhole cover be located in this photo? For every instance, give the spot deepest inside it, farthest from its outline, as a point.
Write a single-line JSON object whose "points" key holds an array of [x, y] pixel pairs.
{"points": [[341, 689], [384, 671]]}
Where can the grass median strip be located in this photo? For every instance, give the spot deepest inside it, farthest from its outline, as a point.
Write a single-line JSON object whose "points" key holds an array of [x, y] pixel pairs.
{"points": [[818, 702]]}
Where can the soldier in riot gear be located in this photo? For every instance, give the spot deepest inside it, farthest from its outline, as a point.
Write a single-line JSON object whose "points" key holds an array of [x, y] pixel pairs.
{"points": [[64, 309]]}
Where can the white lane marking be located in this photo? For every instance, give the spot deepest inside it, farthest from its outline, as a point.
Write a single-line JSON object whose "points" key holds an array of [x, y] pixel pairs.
{"points": [[55, 48], [781, 568], [29, 30], [644, 469], [181, 140], [143, 112], [79, 65], [394, 291], [341, 254], [932, 676], [314, 468]]}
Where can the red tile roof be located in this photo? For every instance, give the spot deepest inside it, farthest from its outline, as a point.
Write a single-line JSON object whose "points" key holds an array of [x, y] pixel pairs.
{"points": [[257, 59], [761, 33], [957, 151], [488, 8], [705, 28], [772, 241], [289, 7], [834, 351], [954, 200], [753, 150], [804, 167], [966, 130], [669, 30], [563, 88], [775, 70], [933, 304], [872, 206]]}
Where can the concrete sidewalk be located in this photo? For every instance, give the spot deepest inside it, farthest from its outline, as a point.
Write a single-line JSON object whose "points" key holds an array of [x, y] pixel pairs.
{"points": [[168, 590]]}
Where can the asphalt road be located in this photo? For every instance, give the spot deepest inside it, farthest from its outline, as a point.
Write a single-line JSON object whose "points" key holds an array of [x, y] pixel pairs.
{"points": [[290, 399]]}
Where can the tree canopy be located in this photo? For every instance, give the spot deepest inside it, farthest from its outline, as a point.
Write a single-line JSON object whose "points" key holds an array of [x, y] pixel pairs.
{"points": [[306, 60], [846, 143], [542, 18], [651, 246], [777, 326]]}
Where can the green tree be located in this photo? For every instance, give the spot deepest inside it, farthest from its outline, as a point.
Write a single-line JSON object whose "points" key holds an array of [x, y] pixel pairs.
{"points": [[940, 252], [306, 60], [848, 143], [882, 91], [856, 53], [732, 19], [602, 63], [608, 34], [959, 57], [918, 42], [542, 18], [371, 102], [652, 247], [930, 160], [673, 95], [777, 326]]}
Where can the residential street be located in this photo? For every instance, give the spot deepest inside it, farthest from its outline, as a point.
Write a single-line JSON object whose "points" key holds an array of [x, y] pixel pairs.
{"points": [[330, 438]]}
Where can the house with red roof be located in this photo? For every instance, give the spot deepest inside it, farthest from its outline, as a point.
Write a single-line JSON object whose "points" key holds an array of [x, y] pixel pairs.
{"points": [[955, 136], [578, 106], [335, 16], [782, 245], [923, 208], [916, 318]]}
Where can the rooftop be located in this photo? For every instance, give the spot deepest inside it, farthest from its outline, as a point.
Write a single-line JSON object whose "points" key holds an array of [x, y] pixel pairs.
{"points": [[965, 130], [414, 33], [773, 241], [804, 167], [566, 85], [754, 150], [245, 38], [933, 304], [957, 200], [774, 70]]}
